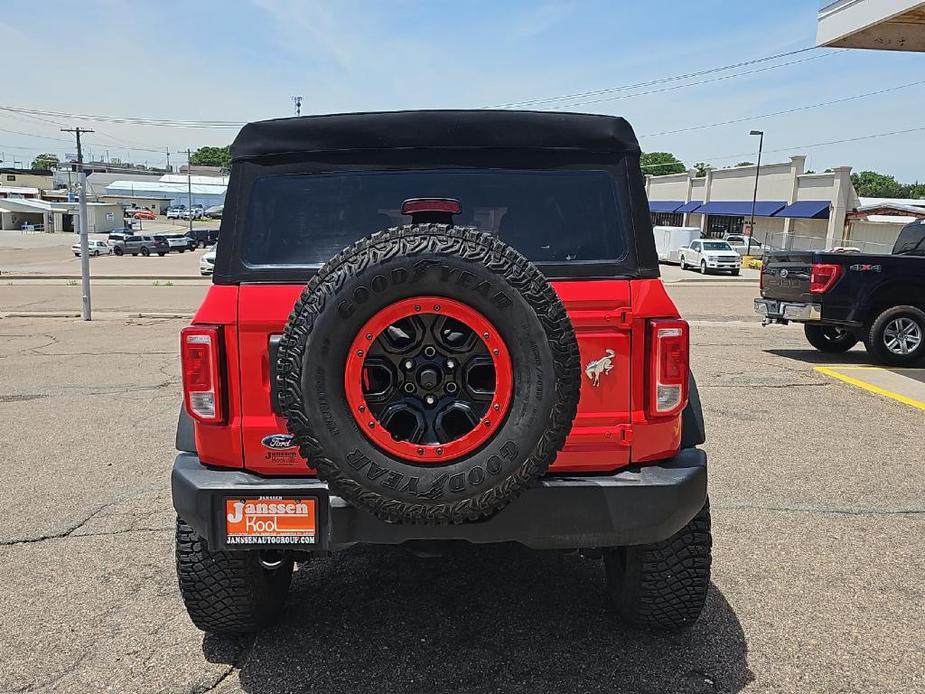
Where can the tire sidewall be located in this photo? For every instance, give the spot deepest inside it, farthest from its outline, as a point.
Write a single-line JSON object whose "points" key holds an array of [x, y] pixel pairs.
{"points": [[877, 347], [337, 431]]}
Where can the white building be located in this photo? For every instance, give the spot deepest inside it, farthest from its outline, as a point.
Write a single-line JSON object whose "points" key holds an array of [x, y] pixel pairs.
{"points": [[794, 210], [45, 215], [198, 190]]}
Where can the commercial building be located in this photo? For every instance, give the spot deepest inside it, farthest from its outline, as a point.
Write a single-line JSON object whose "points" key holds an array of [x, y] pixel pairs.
{"points": [[45, 215], [204, 190], [794, 210], [891, 25], [26, 178]]}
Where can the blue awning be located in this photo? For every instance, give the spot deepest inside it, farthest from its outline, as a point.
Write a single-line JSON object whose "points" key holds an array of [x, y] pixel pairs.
{"points": [[806, 209], [689, 206], [664, 205], [742, 208]]}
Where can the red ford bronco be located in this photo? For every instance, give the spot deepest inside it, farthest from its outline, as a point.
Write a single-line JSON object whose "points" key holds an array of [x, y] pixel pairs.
{"points": [[438, 325]]}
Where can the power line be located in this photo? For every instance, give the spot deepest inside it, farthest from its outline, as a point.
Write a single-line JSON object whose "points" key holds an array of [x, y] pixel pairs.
{"points": [[791, 148], [660, 80], [691, 84], [126, 120], [796, 109]]}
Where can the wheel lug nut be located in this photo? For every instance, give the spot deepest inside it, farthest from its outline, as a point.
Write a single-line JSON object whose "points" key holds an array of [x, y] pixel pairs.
{"points": [[409, 364], [430, 399], [451, 387], [409, 387], [450, 364], [429, 351]]}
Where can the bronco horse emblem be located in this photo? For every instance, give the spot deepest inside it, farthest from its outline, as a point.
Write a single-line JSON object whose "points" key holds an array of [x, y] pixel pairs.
{"points": [[600, 367]]}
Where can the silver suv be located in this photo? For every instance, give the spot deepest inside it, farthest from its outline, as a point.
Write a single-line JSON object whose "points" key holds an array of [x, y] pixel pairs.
{"points": [[145, 245]]}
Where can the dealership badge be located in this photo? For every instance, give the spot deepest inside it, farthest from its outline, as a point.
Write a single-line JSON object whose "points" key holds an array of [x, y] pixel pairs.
{"points": [[600, 367]]}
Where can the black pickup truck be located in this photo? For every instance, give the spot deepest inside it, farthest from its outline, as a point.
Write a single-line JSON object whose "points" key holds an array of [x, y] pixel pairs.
{"points": [[843, 298]]}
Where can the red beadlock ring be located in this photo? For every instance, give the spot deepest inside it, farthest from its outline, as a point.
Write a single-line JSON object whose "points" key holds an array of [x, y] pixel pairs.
{"points": [[497, 350]]}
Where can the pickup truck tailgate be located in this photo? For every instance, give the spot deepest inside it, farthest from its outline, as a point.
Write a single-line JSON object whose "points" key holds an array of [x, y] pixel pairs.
{"points": [[786, 275]]}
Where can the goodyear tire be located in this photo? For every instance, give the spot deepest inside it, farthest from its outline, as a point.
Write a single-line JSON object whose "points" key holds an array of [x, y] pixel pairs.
{"points": [[228, 592], [429, 374], [663, 585]]}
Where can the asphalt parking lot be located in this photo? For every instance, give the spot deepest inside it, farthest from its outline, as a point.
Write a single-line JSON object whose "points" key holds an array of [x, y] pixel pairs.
{"points": [[817, 490]]}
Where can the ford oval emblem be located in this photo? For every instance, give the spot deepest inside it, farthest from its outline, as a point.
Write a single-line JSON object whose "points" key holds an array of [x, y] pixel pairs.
{"points": [[784, 273], [276, 442]]}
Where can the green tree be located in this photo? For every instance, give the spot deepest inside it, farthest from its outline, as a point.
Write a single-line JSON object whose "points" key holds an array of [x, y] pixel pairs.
{"points": [[661, 163], [212, 156], [701, 168], [46, 161], [870, 184]]}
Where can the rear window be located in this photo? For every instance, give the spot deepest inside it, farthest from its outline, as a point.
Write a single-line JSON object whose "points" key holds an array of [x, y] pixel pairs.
{"points": [[549, 216]]}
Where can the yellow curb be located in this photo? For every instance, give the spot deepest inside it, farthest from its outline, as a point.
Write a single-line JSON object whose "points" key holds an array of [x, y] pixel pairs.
{"points": [[919, 405]]}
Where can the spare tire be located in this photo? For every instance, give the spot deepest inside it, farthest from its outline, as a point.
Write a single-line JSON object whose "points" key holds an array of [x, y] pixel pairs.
{"points": [[429, 374]]}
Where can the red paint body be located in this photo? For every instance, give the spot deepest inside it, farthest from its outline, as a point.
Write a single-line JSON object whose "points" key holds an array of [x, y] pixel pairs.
{"points": [[611, 430]]}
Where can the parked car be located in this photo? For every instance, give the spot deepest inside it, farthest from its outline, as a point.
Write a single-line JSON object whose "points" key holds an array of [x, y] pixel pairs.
{"points": [[201, 238], [710, 255], [444, 386], [191, 213], [177, 242], [144, 214], [207, 262], [94, 248], [745, 245], [174, 213], [845, 298], [214, 212], [140, 245]]}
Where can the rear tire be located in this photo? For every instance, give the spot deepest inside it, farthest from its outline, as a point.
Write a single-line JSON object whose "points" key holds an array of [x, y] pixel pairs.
{"points": [[895, 329], [228, 592], [663, 585], [161, 255], [145, 252], [118, 251], [683, 264], [829, 339]]}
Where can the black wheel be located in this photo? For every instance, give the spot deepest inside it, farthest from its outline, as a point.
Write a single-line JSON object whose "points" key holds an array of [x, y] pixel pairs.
{"points": [[117, 250], [897, 336], [161, 254], [182, 250], [829, 338], [703, 267], [145, 252], [450, 374], [134, 255], [734, 273], [663, 585], [95, 253], [229, 592], [683, 264], [77, 255]]}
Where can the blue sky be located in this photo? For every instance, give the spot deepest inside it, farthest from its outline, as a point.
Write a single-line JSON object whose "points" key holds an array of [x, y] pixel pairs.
{"points": [[238, 60]]}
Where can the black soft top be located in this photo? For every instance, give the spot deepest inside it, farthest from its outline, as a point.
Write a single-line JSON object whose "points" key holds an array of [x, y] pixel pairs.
{"points": [[461, 129]]}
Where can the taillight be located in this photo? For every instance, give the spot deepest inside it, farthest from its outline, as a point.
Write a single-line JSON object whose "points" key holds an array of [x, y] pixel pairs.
{"points": [[201, 359], [669, 366], [823, 276]]}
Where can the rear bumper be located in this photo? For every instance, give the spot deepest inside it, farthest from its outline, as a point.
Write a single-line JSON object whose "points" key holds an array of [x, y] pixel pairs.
{"points": [[646, 504], [775, 311]]}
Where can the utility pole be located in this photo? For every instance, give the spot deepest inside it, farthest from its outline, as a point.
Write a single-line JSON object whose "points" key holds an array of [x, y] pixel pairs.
{"points": [[84, 224], [189, 189], [167, 149], [297, 102]]}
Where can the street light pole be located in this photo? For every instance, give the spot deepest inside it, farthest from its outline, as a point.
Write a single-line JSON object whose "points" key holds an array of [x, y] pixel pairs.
{"points": [[760, 134], [84, 224], [189, 189]]}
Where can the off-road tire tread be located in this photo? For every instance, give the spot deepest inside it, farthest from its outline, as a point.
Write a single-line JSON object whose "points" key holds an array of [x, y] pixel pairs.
{"points": [[663, 585], [227, 592], [447, 241], [873, 339]]}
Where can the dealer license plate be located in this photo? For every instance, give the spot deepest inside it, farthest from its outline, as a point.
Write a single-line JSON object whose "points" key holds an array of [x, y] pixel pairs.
{"points": [[271, 520]]}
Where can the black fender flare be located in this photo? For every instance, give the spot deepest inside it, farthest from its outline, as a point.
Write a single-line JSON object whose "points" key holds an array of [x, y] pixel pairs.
{"points": [[693, 429]]}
